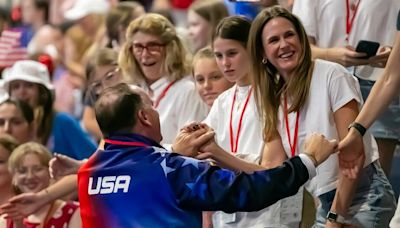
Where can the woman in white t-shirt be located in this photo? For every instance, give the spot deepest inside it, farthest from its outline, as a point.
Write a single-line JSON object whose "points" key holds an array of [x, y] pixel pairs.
{"points": [[233, 115], [153, 55], [297, 96], [334, 29]]}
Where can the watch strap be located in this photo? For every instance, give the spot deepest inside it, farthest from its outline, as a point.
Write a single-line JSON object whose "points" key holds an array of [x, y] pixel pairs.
{"points": [[360, 128], [335, 217]]}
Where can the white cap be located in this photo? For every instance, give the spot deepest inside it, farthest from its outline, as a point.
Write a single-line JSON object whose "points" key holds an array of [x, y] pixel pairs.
{"points": [[30, 71], [3, 93], [83, 8]]}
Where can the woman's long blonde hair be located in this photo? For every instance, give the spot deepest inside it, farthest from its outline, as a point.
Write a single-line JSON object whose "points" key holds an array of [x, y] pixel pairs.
{"points": [[176, 60], [268, 85]]}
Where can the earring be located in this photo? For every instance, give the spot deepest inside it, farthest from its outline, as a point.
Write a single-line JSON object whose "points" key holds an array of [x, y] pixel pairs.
{"points": [[264, 61]]}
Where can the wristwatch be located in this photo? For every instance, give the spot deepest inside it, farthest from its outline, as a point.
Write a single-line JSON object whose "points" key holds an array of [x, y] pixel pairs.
{"points": [[335, 217], [360, 128]]}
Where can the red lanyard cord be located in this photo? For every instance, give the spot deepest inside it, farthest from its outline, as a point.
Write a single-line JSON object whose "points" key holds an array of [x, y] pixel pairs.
{"points": [[234, 146], [350, 21], [162, 95], [296, 129]]}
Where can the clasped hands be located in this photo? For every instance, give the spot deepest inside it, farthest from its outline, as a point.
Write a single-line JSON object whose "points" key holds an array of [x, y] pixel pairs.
{"points": [[196, 140]]}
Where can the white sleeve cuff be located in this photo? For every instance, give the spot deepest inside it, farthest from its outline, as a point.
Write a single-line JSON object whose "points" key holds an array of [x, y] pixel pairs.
{"points": [[309, 164], [168, 147]]}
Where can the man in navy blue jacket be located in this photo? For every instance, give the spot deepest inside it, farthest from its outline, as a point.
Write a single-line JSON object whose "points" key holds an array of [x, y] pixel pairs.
{"points": [[135, 182]]}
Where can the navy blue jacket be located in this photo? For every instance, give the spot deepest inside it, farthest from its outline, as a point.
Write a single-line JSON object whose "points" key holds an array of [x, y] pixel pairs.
{"points": [[135, 182]]}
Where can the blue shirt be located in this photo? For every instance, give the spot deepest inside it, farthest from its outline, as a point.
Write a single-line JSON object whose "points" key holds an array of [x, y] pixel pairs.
{"points": [[68, 138]]}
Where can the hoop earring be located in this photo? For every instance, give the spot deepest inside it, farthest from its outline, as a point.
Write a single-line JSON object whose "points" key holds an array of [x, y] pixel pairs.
{"points": [[264, 61]]}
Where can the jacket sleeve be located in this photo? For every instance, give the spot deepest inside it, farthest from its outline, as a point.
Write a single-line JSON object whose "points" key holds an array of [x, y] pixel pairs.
{"points": [[201, 186]]}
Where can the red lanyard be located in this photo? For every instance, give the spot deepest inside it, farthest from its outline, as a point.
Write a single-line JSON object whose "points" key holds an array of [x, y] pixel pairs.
{"points": [[350, 21], [234, 146], [162, 95], [123, 143], [296, 130]]}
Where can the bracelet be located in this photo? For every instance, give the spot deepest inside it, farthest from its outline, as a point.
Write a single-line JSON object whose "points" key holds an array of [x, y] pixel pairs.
{"points": [[360, 128]]}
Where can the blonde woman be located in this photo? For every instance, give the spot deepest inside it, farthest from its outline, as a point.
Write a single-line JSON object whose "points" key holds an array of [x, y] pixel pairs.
{"points": [[153, 55], [28, 164]]}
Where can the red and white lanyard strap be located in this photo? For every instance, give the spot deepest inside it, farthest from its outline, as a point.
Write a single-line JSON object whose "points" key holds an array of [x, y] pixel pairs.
{"points": [[124, 143], [235, 143], [350, 19], [162, 95], [296, 129]]}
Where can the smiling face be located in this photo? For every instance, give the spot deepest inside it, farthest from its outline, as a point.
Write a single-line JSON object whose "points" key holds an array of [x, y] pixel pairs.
{"points": [[149, 51], [31, 175], [210, 82], [232, 60], [199, 30], [282, 47]]}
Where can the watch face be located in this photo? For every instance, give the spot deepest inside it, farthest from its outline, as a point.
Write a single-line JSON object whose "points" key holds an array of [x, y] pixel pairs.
{"points": [[332, 216]]}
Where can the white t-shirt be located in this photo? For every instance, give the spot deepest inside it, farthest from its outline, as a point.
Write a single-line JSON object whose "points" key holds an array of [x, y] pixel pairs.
{"points": [[180, 105], [331, 88], [251, 143], [325, 20], [250, 147]]}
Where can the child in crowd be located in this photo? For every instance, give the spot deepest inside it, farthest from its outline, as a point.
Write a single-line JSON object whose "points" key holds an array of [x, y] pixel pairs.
{"points": [[210, 82]]}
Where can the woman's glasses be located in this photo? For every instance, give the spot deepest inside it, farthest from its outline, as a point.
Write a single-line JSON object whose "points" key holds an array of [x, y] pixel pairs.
{"points": [[151, 47], [106, 80]]}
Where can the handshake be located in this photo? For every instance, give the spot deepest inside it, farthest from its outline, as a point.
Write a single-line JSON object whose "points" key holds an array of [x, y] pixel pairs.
{"points": [[197, 140]]}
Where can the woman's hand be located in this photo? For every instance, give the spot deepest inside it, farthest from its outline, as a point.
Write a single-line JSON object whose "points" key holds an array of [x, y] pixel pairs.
{"points": [[346, 56], [61, 165], [20, 206], [381, 57]]}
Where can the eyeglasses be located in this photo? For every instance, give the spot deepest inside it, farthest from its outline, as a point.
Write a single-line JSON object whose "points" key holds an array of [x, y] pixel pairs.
{"points": [[106, 80], [152, 48]]}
